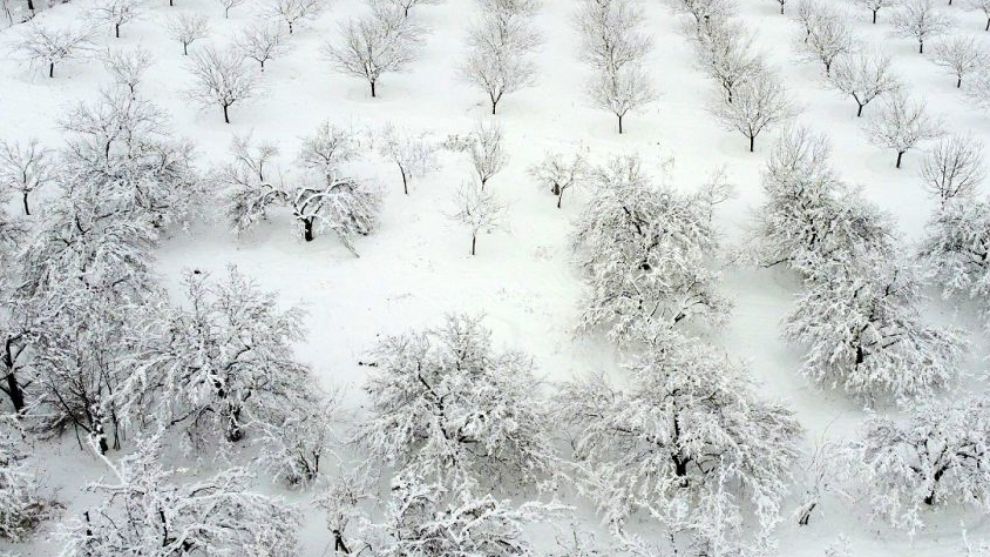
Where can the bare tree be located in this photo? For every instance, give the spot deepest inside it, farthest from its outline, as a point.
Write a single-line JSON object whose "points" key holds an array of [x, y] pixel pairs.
{"points": [[961, 56], [485, 148], [498, 61], [261, 42], [294, 12], [228, 5], [188, 27], [381, 42], [875, 6], [759, 103], [116, 13], [864, 76], [25, 169], [127, 66], [954, 167], [620, 90], [478, 210], [901, 123], [921, 21], [45, 47], [221, 79]]}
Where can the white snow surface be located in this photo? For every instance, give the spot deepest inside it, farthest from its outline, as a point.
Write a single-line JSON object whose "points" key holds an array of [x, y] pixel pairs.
{"points": [[417, 266]]}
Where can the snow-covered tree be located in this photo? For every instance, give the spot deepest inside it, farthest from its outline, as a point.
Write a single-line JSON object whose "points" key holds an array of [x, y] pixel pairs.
{"points": [[498, 58], [446, 406], [809, 216], [228, 5], [558, 173], [344, 206], [960, 56], [427, 518], [152, 511], [956, 249], [218, 366], [478, 210], [44, 46], [408, 5], [901, 124], [25, 169], [612, 33], [484, 147], [295, 12], [620, 90], [874, 6], [221, 79], [127, 66], [16, 321], [22, 505], [954, 167], [295, 445], [920, 20], [827, 35], [684, 439], [982, 6], [381, 42], [725, 52], [326, 150], [414, 154], [937, 457], [116, 13], [645, 250], [758, 103], [261, 42], [865, 334], [188, 27], [864, 76], [121, 147], [821, 472], [614, 44]]}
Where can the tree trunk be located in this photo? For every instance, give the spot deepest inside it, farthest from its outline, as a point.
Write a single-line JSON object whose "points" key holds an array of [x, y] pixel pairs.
{"points": [[875, 17], [308, 229], [959, 83], [494, 104], [620, 125], [31, 6], [226, 115], [900, 155], [405, 180], [27, 208], [752, 143], [560, 198], [15, 392], [338, 543], [921, 47], [474, 244], [262, 62], [234, 431], [806, 514], [51, 69], [116, 30], [185, 49], [987, 28], [859, 113], [372, 89]]}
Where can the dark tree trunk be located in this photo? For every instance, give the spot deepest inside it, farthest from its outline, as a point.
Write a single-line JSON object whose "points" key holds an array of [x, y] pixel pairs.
{"points": [[308, 229], [921, 47], [51, 69], [185, 49], [226, 114], [338, 543], [987, 28], [620, 125], [405, 180], [234, 431], [27, 208], [373, 92], [262, 62], [859, 113], [806, 515], [752, 143], [560, 198], [900, 155], [116, 30], [875, 17], [13, 389], [474, 244], [31, 6]]}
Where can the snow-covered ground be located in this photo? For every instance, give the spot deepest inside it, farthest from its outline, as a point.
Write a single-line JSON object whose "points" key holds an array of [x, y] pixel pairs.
{"points": [[416, 266]]}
